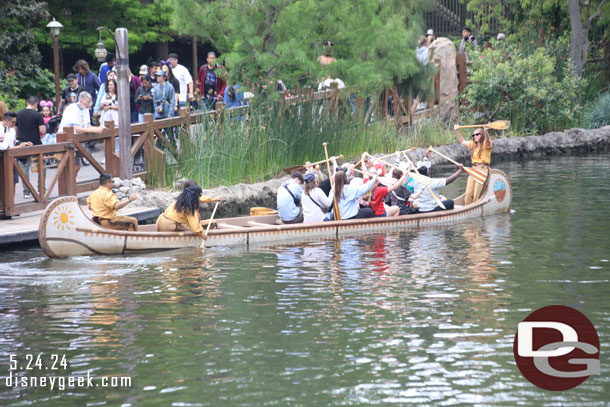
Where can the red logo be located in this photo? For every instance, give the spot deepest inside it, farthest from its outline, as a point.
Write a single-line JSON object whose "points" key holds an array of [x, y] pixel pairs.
{"points": [[556, 348]]}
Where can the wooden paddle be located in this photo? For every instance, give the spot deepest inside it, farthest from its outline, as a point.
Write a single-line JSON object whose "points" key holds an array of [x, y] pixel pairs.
{"points": [[477, 175], [387, 155], [202, 246], [497, 125], [289, 170], [387, 181], [422, 179], [331, 174]]}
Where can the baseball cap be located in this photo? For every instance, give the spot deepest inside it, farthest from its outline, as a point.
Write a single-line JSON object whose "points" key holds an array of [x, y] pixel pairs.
{"points": [[71, 76], [160, 73], [430, 32], [143, 70]]}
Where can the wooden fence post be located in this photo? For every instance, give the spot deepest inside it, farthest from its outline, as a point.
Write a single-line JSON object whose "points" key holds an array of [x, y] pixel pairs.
{"points": [[66, 184]]}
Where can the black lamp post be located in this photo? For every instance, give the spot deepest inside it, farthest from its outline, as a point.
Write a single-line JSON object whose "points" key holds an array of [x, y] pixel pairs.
{"points": [[55, 28]]}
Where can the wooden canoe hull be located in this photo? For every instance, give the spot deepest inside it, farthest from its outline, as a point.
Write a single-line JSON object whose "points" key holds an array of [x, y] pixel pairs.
{"points": [[66, 231]]}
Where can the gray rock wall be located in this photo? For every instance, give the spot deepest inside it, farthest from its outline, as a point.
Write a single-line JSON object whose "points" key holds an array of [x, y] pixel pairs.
{"points": [[238, 199]]}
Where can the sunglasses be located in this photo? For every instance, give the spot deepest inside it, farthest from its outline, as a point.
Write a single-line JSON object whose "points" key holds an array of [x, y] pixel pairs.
{"points": [[476, 134]]}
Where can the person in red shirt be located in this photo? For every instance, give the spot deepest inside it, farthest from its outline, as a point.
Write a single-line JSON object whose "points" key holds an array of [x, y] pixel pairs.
{"points": [[377, 205]]}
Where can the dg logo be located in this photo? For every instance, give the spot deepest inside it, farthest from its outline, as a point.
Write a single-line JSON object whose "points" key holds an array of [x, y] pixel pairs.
{"points": [[556, 348]]}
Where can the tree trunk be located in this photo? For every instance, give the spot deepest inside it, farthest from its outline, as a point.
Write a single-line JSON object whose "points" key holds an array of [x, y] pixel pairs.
{"points": [[577, 42]]}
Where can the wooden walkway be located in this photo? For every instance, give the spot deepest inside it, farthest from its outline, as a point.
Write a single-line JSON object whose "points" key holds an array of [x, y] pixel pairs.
{"points": [[25, 227]]}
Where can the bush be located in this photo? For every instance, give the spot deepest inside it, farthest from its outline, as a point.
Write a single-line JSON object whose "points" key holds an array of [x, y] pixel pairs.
{"points": [[598, 113], [15, 88], [535, 92]]}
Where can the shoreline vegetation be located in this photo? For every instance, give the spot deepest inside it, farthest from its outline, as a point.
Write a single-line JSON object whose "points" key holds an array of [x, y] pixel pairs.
{"points": [[258, 147]]}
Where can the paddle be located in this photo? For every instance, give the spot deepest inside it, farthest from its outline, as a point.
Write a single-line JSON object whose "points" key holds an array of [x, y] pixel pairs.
{"points": [[202, 246], [387, 155], [289, 170], [336, 212], [477, 175], [387, 181], [422, 179], [497, 125]]}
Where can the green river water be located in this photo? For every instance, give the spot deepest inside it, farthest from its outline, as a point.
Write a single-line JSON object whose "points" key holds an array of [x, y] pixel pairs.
{"points": [[421, 318]]}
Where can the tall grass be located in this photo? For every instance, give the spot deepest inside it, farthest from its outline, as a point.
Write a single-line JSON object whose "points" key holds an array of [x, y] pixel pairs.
{"points": [[229, 150]]}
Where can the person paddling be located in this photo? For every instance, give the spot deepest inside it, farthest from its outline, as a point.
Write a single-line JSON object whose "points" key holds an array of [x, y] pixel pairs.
{"points": [[183, 213], [480, 154]]}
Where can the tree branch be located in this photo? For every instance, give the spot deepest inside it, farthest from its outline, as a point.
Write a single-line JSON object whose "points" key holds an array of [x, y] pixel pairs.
{"points": [[598, 11]]}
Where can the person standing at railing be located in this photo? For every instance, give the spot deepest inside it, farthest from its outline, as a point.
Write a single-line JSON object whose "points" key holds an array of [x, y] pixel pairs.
{"points": [[77, 116], [87, 79], [184, 77], [30, 125], [212, 80], [8, 137], [163, 97]]}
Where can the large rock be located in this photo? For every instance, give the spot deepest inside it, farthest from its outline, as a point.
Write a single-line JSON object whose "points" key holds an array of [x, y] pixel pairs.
{"points": [[444, 50]]}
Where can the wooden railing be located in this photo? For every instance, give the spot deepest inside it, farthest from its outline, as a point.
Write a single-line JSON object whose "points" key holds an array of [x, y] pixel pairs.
{"points": [[148, 136]]}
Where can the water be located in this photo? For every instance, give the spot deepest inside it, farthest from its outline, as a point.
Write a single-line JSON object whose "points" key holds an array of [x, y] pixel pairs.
{"points": [[424, 318]]}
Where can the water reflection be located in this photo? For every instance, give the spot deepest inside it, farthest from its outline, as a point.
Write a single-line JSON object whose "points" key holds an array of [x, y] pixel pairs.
{"points": [[424, 317]]}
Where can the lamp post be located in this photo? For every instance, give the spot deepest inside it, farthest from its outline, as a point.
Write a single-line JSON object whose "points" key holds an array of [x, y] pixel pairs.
{"points": [[55, 28], [122, 63]]}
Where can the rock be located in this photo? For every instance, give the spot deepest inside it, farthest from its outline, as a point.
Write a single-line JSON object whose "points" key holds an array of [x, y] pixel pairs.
{"points": [[124, 190], [120, 195]]}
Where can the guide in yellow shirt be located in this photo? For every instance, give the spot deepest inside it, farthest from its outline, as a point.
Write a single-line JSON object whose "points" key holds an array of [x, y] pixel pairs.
{"points": [[104, 204], [183, 214]]}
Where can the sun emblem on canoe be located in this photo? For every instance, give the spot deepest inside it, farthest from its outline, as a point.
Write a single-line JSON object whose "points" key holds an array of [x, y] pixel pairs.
{"points": [[500, 190], [63, 219]]}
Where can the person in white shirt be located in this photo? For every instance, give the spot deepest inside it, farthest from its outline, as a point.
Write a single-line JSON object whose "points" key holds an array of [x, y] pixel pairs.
{"points": [[316, 205], [8, 137], [184, 77], [426, 202], [77, 116]]}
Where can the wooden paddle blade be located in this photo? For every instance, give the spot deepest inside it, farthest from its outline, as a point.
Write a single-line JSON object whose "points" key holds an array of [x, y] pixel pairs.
{"points": [[499, 125], [258, 211], [289, 170], [479, 176]]}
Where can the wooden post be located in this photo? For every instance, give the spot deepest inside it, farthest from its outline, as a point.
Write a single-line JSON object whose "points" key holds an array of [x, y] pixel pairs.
{"points": [[195, 67], [56, 68], [126, 160], [460, 61], [67, 180]]}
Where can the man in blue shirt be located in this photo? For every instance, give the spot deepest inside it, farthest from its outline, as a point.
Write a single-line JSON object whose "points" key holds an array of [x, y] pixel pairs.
{"points": [[289, 199]]}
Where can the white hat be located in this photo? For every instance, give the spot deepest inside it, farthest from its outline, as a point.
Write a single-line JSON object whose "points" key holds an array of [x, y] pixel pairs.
{"points": [[143, 70], [430, 31], [501, 37]]}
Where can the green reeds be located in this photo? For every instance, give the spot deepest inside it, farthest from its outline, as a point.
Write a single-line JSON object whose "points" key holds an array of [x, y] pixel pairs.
{"points": [[230, 148]]}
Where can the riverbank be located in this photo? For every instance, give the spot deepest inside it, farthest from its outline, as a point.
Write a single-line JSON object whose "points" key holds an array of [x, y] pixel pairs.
{"points": [[240, 197]]}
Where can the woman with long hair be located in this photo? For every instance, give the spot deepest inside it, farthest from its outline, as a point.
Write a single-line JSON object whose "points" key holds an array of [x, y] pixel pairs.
{"points": [[347, 196], [183, 213], [167, 68], [109, 104], [480, 154]]}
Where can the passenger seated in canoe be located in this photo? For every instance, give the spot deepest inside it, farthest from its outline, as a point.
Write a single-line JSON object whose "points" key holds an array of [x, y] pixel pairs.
{"points": [[289, 199], [402, 197], [104, 204], [480, 154], [347, 196], [426, 202], [316, 205], [380, 209], [183, 213]]}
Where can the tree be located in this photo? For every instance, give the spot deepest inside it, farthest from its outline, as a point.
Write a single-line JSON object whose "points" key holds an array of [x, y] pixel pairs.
{"points": [[146, 21], [579, 38], [374, 41]]}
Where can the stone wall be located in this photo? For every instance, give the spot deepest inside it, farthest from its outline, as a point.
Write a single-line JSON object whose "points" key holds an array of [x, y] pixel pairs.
{"points": [[238, 199]]}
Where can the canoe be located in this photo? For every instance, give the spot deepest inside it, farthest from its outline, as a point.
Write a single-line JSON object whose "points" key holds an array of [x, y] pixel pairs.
{"points": [[66, 231]]}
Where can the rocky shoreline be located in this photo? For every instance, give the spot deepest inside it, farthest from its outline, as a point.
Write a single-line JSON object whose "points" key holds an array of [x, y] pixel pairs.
{"points": [[239, 198]]}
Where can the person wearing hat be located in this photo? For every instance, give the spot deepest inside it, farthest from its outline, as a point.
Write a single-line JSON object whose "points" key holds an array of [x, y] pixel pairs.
{"points": [[316, 204], [143, 71], [430, 36], [426, 202], [164, 97], [70, 94]]}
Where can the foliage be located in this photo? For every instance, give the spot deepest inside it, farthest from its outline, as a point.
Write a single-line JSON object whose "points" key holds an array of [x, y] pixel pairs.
{"points": [[146, 21], [15, 88], [529, 90], [374, 41], [18, 51], [226, 151], [597, 114]]}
